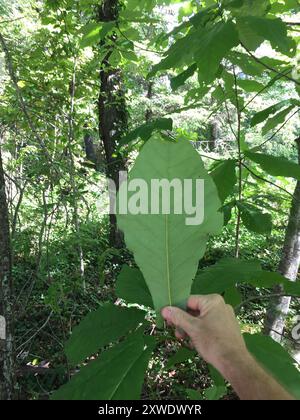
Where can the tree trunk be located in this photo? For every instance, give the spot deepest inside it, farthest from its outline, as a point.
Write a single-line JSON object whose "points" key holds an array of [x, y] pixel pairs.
{"points": [[113, 118], [288, 266], [213, 135], [149, 112], [6, 307]]}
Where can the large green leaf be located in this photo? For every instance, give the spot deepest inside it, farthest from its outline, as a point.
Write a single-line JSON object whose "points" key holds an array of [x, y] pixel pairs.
{"points": [[100, 328], [118, 374], [276, 360], [269, 279], [224, 176], [165, 247], [213, 45], [225, 274], [274, 165], [228, 272], [131, 286], [254, 30], [255, 219]]}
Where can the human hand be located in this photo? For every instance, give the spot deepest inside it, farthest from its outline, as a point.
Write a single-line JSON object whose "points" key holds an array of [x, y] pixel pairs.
{"points": [[212, 327]]}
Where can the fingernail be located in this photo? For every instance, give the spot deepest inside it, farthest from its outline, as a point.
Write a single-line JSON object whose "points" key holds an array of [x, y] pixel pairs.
{"points": [[166, 312]]}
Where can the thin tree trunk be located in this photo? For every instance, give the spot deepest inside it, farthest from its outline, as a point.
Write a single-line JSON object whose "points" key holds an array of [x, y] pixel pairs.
{"points": [[75, 194], [149, 112], [213, 135], [288, 266], [6, 306], [113, 118]]}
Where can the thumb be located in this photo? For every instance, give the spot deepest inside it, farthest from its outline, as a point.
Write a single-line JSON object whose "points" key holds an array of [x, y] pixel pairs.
{"points": [[178, 317]]}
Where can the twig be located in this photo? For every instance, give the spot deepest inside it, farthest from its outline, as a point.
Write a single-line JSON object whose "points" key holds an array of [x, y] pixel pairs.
{"points": [[240, 159], [280, 128], [135, 45], [277, 77], [269, 67], [2, 22], [37, 332], [266, 180], [266, 297]]}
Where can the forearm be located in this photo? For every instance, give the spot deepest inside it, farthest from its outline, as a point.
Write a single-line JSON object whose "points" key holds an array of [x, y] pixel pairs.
{"points": [[250, 381]]}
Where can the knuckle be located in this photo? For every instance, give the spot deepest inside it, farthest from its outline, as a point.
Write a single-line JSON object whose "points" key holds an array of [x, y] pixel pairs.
{"points": [[218, 298]]}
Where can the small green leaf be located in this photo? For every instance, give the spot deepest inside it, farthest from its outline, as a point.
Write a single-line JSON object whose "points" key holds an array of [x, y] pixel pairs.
{"points": [[179, 80], [261, 116], [194, 395], [131, 286], [250, 85], [95, 32], [254, 219], [214, 393], [145, 131], [224, 177], [279, 118], [110, 322], [182, 355], [227, 211]]}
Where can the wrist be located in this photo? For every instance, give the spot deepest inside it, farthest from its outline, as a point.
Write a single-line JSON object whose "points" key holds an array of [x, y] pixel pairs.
{"points": [[237, 360]]}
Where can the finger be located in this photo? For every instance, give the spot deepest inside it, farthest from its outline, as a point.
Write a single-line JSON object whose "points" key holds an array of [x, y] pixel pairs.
{"points": [[180, 334], [195, 302], [177, 317]]}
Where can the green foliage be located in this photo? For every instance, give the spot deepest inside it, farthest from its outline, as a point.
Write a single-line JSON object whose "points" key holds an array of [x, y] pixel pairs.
{"points": [[255, 219], [180, 356], [168, 251], [145, 131], [111, 322], [132, 287], [179, 80], [263, 115], [224, 176], [117, 374], [94, 32], [276, 166], [276, 360], [225, 274], [254, 30], [229, 272], [214, 44]]}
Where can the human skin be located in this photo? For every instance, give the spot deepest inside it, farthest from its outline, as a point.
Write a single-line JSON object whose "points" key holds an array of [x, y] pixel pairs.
{"points": [[214, 331]]}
